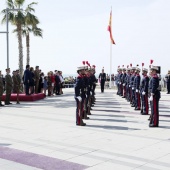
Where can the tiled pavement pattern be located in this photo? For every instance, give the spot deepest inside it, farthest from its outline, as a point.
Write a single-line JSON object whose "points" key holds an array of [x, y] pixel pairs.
{"points": [[43, 135]]}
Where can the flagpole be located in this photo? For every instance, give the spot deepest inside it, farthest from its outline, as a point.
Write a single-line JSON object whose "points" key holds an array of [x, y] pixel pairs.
{"points": [[110, 65]]}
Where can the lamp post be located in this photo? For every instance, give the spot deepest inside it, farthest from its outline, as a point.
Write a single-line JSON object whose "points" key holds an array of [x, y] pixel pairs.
{"points": [[7, 31]]}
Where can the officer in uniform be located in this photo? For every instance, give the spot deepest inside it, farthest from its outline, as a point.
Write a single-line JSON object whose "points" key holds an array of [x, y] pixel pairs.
{"points": [[124, 82], [37, 78], [102, 77], [8, 86], [133, 74], [144, 92], [136, 88], [120, 91], [167, 77], [79, 86], [1, 89], [154, 97], [27, 79], [15, 82], [128, 92]]}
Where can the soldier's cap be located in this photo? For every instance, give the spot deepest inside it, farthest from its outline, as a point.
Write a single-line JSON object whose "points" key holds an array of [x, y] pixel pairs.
{"points": [[124, 69], [36, 66], [133, 68], [7, 69], [17, 70], [128, 69], [168, 71], [80, 68], [145, 69], [86, 67], [137, 69], [153, 67]]}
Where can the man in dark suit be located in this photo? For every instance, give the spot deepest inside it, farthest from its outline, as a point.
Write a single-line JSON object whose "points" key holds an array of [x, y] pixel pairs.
{"points": [[58, 83], [167, 77], [27, 79], [102, 78]]}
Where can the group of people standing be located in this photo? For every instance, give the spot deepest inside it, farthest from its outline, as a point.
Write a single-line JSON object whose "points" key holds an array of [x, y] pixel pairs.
{"points": [[140, 91], [84, 92], [36, 82], [10, 84]]}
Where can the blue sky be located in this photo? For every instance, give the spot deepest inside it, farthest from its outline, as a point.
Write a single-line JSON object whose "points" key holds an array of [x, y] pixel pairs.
{"points": [[77, 30]]}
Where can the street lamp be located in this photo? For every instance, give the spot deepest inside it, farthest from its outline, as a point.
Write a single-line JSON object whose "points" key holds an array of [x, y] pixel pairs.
{"points": [[7, 32]]}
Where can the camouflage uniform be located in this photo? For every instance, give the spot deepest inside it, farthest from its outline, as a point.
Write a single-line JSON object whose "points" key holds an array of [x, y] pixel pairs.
{"points": [[15, 83], [8, 87], [37, 77]]}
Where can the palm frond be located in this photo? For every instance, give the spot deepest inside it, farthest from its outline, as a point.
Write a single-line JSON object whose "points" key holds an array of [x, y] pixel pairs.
{"points": [[10, 3]]}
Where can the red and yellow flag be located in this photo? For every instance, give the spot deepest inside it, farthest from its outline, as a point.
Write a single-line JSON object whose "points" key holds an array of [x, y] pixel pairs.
{"points": [[110, 28]]}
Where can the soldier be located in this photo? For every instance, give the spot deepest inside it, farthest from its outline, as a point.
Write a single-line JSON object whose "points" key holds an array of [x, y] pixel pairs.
{"points": [[102, 78], [144, 92], [1, 89], [124, 82], [136, 88], [120, 90], [128, 93], [78, 96], [133, 74], [154, 97], [15, 82], [167, 77], [8, 86], [37, 77]]}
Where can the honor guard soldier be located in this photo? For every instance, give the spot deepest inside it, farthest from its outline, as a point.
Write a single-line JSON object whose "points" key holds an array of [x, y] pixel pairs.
{"points": [[154, 97], [1, 89], [128, 92], [37, 78], [136, 87], [8, 86], [78, 95], [120, 91], [124, 82], [102, 78], [167, 77], [144, 92], [133, 74]]}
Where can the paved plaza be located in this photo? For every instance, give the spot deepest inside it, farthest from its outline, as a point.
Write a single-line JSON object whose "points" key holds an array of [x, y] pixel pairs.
{"points": [[43, 135]]}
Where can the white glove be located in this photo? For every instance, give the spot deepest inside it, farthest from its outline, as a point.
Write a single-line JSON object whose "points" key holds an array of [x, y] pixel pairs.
{"points": [[129, 85], [120, 83], [79, 98], [132, 88], [151, 98], [90, 93], [143, 93], [137, 90], [123, 84]]}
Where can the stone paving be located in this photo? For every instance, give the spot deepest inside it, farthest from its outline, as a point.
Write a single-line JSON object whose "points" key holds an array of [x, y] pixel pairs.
{"points": [[43, 135]]}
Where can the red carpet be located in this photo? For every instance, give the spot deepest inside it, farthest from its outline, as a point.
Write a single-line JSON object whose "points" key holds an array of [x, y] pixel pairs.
{"points": [[23, 97]]}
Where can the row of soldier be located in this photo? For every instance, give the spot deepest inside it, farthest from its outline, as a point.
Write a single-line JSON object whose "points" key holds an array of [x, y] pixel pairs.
{"points": [[137, 90], [84, 92], [10, 84]]}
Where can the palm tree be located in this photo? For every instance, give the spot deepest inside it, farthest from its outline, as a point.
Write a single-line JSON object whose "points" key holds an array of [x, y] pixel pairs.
{"points": [[17, 19], [22, 19], [26, 32]]}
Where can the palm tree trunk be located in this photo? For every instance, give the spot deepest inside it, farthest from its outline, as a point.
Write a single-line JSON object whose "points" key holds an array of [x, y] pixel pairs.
{"points": [[20, 48], [28, 48]]}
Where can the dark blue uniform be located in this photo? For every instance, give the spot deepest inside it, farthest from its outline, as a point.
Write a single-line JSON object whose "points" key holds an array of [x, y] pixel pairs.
{"points": [[27, 80], [153, 87], [132, 89], [120, 87], [128, 91], [144, 88], [137, 93], [78, 92], [124, 84]]}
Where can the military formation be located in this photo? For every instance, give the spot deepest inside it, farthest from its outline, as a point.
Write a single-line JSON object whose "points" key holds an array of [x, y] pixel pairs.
{"points": [[10, 84], [139, 91], [84, 92]]}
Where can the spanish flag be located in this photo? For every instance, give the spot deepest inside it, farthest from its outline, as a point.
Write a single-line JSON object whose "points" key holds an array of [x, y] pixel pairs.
{"points": [[110, 28]]}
